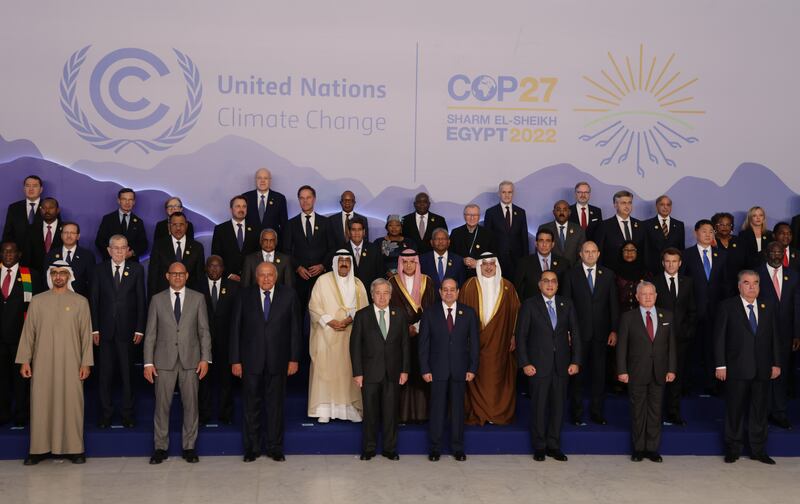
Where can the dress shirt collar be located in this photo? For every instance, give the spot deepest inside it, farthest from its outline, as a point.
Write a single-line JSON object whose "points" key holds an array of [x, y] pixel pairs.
{"points": [[53, 227], [211, 284], [259, 194], [114, 267], [453, 308], [236, 226], [386, 315], [14, 269], [667, 276], [268, 256], [700, 249], [653, 315], [546, 299], [747, 310], [354, 246], [436, 257], [586, 270]]}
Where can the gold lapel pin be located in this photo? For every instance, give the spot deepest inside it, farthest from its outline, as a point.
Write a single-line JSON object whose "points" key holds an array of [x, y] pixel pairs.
{"points": [[560, 304], [249, 228], [125, 274], [188, 252], [449, 262], [635, 224], [277, 259], [515, 213], [763, 305], [58, 256], [363, 254], [223, 290], [316, 228], [660, 315], [555, 263], [478, 246], [393, 313], [460, 312], [571, 231], [734, 245], [655, 227], [505, 287], [271, 202], [599, 272], [135, 219], [432, 219], [786, 278], [67, 308], [715, 254]]}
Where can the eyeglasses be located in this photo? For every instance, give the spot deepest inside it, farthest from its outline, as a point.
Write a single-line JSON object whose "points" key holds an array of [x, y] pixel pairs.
{"points": [[176, 273]]}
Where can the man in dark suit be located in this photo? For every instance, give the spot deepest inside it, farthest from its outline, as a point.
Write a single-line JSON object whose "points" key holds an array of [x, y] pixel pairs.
{"points": [[175, 247], [220, 293], [529, 269], [471, 239], [646, 360], [268, 253], [675, 293], [264, 350], [613, 232], [419, 225], [18, 284], [548, 352], [43, 235], [791, 256], [341, 220], [171, 206], [367, 256], [379, 353], [593, 291], [509, 226], [449, 346], [234, 239], [569, 236], [21, 214], [439, 264], [123, 221], [309, 240], [119, 312], [747, 353], [587, 216], [80, 259], [706, 267], [780, 285], [266, 208], [661, 232]]}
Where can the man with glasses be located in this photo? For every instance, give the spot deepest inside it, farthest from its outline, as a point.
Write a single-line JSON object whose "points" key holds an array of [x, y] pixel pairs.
{"points": [[171, 206], [80, 259], [471, 240], [587, 216]]}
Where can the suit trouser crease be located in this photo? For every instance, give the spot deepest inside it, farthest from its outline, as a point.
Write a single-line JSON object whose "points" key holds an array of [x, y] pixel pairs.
{"points": [[440, 390], [646, 400], [262, 390], [116, 353], [548, 394], [751, 398], [188, 384], [381, 400]]}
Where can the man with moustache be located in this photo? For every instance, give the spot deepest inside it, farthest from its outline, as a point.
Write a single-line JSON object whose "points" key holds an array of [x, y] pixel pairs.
{"points": [[569, 236]]}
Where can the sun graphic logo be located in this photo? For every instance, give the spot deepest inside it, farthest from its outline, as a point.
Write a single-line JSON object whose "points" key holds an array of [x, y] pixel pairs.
{"points": [[639, 113]]}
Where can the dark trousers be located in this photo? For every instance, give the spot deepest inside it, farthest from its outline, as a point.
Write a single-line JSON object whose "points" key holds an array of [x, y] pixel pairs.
{"points": [[259, 389], [750, 397], [12, 386], [675, 389], [704, 353], [548, 394], [594, 356], [779, 387], [380, 401], [116, 353], [219, 383], [646, 399], [438, 413]]}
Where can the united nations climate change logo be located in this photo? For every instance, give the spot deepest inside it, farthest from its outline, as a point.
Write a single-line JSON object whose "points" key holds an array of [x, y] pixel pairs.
{"points": [[128, 122], [639, 113]]}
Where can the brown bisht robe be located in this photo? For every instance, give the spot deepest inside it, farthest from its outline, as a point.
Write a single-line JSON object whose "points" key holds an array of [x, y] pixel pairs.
{"points": [[491, 396], [416, 393], [56, 340]]}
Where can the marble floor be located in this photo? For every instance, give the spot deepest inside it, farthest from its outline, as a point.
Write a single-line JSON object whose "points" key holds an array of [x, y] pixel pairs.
{"points": [[493, 479]]}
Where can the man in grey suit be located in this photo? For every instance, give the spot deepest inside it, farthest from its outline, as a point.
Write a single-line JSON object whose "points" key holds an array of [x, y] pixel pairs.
{"points": [[268, 253], [569, 236], [177, 347]]}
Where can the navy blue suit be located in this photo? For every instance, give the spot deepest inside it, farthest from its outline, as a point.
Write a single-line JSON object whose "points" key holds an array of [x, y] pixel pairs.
{"points": [[512, 244], [275, 216], [83, 264], [136, 234], [656, 242], [264, 348], [453, 268], [609, 239], [448, 356]]}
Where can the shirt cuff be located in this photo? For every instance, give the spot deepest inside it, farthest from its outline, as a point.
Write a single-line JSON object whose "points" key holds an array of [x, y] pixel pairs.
{"points": [[722, 367], [416, 326], [323, 320], [148, 365], [138, 334]]}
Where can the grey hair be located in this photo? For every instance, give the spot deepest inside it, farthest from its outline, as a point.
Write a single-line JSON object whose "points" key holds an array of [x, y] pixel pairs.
{"points": [[472, 205], [117, 237], [377, 283], [268, 230], [505, 183], [643, 284], [440, 230]]}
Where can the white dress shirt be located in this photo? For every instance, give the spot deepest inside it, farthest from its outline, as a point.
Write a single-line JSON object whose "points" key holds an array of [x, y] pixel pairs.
{"points": [[453, 312], [771, 272], [620, 221], [510, 207], [710, 254], [303, 221], [236, 226], [387, 311], [183, 245], [667, 276], [14, 269], [53, 227], [268, 256]]}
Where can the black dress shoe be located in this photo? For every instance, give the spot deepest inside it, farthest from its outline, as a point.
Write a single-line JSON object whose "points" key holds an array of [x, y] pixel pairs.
{"points": [[637, 456], [434, 456], [538, 455], [578, 421], [104, 423], [783, 423], [250, 456], [191, 456], [128, 423], [277, 456], [391, 455], [598, 419], [557, 454], [731, 458], [158, 456], [367, 455], [460, 456], [676, 420], [79, 458], [654, 457], [32, 459], [763, 458], [23, 423]]}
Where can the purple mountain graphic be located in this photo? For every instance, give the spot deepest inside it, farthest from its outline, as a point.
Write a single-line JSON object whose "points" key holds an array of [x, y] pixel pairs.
{"points": [[14, 149]]}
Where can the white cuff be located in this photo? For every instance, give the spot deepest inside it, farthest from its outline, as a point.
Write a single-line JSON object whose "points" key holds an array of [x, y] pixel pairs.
{"points": [[324, 319]]}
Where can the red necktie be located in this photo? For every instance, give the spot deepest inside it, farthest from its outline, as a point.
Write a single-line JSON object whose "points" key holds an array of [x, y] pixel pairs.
{"points": [[584, 222], [450, 323], [7, 284], [48, 239], [650, 332], [786, 257]]}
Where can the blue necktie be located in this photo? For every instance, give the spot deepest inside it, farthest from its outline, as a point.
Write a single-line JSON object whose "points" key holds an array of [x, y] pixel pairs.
{"points": [[267, 304], [591, 281], [440, 270], [240, 237], [562, 236], [752, 318], [706, 264], [177, 307], [31, 214], [552, 313], [262, 208]]}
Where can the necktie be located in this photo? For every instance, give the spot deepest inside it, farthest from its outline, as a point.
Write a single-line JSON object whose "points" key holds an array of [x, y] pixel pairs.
{"points": [[48, 239], [672, 290], [552, 312], [177, 307], [178, 252], [664, 227], [117, 277], [7, 284], [508, 218], [69, 257], [706, 264], [309, 231], [124, 223], [347, 226], [786, 257], [545, 266], [752, 318], [627, 230], [267, 305], [240, 236], [262, 209], [382, 324], [591, 281], [776, 283], [214, 295], [422, 226], [31, 213], [450, 322], [650, 331], [562, 235], [584, 220], [440, 270], [358, 255], [268, 257]]}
